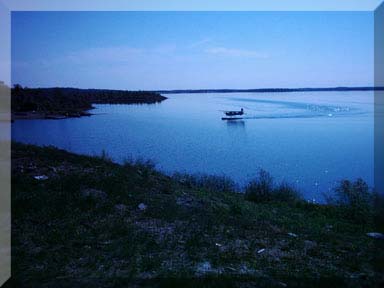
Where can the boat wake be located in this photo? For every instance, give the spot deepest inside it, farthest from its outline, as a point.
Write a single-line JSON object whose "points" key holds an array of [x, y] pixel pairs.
{"points": [[276, 109]]}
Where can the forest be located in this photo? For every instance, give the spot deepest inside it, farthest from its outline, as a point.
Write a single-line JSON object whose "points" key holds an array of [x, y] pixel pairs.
{"points": [[72, 101]]}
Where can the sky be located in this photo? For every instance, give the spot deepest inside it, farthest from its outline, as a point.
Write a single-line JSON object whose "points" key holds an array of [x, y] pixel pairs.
{"points": [[192, 50]]}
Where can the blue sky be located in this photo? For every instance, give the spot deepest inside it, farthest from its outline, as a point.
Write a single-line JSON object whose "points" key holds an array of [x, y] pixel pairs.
{"points": [[191, 50]]}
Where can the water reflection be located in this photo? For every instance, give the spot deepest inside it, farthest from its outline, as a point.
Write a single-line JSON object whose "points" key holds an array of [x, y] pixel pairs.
{"points": [[236, 131], [236, 124]]}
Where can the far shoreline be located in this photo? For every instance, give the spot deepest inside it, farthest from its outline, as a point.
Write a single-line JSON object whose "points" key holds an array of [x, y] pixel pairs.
{"points": [[271, 90]]}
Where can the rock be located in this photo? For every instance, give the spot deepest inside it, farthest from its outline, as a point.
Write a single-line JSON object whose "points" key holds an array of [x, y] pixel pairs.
{"points": [[274, 254], [142, 206], [275, 229], [292, 234], [309, 245], [182, 181], [184, 200], [231, 268], [36, 250], [328, 227], [238, 244], [94, 194], [147, 275], [376, 235], [30, 168], [53, 169], [41, 177], [260, 251], [120, 208], [204, 267], [241, 244], [243, 269]]}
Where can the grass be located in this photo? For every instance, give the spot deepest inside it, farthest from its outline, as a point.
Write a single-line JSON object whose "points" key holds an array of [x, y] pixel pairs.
{"points": [[207, 182], [57, 233]]}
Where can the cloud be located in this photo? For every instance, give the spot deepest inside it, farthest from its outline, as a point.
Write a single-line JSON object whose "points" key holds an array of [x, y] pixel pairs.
{"points": [[104, 54], [236, 52], [201, 42]]}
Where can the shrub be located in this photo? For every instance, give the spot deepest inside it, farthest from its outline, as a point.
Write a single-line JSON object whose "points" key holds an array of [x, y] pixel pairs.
{"points": [[378, 202], [286, 193], [354, 198], [212, 183], [261, 188], [105, 157], [142, 166]]}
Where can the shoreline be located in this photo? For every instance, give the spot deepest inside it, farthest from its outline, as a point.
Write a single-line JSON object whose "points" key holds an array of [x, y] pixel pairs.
{"points": [[31, 115], [62, 103], [270, 90]]}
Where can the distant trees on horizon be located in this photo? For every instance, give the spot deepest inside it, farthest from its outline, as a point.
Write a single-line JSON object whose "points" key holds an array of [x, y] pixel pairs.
{"points": [[48, 100]]}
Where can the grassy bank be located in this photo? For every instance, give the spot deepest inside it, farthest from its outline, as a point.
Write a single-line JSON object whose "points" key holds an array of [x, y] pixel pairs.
{"points": [[77, 217]]}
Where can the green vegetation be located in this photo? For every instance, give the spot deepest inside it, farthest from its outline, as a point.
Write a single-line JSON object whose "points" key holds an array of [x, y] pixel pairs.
{"points": [[206, 182], [262, 189], [354, 199], [108, 224], [73, 102]]}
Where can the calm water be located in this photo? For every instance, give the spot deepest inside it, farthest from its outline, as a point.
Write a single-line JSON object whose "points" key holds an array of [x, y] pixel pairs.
{"points": [[309, 139]]}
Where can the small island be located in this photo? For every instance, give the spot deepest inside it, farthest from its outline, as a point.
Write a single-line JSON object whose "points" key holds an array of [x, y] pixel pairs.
{"points": [[60, 103]]}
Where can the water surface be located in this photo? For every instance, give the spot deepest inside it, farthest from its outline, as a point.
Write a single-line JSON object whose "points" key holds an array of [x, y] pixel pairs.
{"points": [[310, 139]]}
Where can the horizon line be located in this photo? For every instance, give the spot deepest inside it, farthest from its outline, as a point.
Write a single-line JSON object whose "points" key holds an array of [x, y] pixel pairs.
{"points": [[227, 90], [280, 89]]}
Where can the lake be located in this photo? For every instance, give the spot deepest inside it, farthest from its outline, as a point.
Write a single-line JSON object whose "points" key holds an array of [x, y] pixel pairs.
{"points": [[309, 139]]}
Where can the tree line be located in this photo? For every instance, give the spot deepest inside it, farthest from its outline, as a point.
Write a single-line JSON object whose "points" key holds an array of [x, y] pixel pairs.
{"points": [[58, 100]]}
